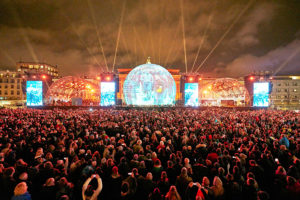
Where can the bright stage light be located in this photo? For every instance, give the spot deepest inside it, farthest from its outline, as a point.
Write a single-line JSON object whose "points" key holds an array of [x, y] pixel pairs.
{"points": [[44, 77], [200, 79], [191, 79], [108, 78], [149, 84], [251, 78], [98, 78]]}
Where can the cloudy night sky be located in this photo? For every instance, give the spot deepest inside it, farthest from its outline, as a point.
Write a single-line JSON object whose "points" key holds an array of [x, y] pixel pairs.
{"points": [[219, 38]]}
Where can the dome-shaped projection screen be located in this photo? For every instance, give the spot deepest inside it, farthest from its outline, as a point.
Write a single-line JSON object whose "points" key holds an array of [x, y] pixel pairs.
{"points": [[149, 85]]}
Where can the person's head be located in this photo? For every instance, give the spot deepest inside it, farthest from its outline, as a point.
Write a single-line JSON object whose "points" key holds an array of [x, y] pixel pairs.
{"points": [[262, 195], [9, 171], [163, 175], [280, 171], [250, 175], [115, 170], [49, 182], [20, 189], [149, 176], [205, 182], [135, 172], [64, 197], [184, 171], [217, 182], [290, 180], [23, 176]]}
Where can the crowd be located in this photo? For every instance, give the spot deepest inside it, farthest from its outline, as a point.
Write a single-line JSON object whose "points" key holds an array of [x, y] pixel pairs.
{"points": [[136, 154]]}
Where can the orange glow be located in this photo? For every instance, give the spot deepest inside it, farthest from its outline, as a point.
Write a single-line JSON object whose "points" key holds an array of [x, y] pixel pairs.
{"points": [[108, 78], [205, 92], [34, 77], [98, 78], [200, 79], [88, 86], [209, 87], [191, 79], [251, 78], [44, 77]]}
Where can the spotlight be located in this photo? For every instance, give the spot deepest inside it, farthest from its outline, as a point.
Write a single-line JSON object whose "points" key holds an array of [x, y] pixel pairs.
{"points": [[108, 78], [98, 78], [34, 77], [200, 79], [44, 77], [191, 79], [251, 78]]}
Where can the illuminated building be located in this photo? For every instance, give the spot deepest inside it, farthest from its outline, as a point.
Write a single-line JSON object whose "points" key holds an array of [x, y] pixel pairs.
{"points": [[285, 92], [11, 86], [37, 68]]}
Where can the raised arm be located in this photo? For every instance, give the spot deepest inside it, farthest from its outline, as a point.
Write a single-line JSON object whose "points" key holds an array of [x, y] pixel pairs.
{"points": [[99, 188], [85, 185]]}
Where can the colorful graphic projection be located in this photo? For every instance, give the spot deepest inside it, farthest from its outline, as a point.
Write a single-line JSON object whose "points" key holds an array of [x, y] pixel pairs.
{"points": [[108, 95], [34, 93], [191, 94], [261, 94]]}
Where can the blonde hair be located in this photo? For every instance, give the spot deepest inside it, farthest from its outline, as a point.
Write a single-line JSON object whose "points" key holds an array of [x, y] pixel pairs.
{"points": [[20, 189]]}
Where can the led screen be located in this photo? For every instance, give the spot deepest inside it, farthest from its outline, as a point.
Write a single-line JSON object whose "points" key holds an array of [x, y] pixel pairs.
{"points": [[34, 93], [149, 85], [191, 94], [261, 94], [108, 93]]}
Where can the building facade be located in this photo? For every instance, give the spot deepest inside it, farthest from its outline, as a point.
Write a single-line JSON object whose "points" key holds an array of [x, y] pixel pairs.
{"points": [[285, 92], [37, 68], [11, 86]]}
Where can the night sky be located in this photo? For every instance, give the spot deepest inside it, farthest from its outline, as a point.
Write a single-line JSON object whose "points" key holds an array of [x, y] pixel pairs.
{"points": [[222, 38]]}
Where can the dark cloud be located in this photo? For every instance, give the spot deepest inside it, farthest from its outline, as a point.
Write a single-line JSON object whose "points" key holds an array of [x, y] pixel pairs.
{"points": [[70, 34]]}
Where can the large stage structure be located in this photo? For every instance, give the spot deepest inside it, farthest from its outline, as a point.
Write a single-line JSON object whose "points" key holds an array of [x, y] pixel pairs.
{"points": [[153, 85]]}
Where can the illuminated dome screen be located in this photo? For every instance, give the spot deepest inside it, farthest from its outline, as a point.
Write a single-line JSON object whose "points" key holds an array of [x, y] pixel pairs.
{"points": [[149, 85], [68, 87]]}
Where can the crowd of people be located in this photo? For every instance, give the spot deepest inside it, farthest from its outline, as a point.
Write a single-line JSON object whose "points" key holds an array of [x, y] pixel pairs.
{"points": [[149, 154]]}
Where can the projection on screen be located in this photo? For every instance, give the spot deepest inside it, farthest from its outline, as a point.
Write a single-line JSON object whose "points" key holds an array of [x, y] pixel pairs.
{"points": [[34, 93], [191, 94], [149, 85], [108, 96], [261, 94]]}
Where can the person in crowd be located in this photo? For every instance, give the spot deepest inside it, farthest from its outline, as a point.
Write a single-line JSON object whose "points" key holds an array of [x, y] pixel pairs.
{"points": [[21, 193], [87, 190], [172, 194]]}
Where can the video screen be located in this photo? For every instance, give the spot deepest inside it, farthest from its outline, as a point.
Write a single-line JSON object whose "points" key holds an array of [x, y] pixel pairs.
{"points": [[34, 92], [191, 94], [261, 94], [108, 93]]}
